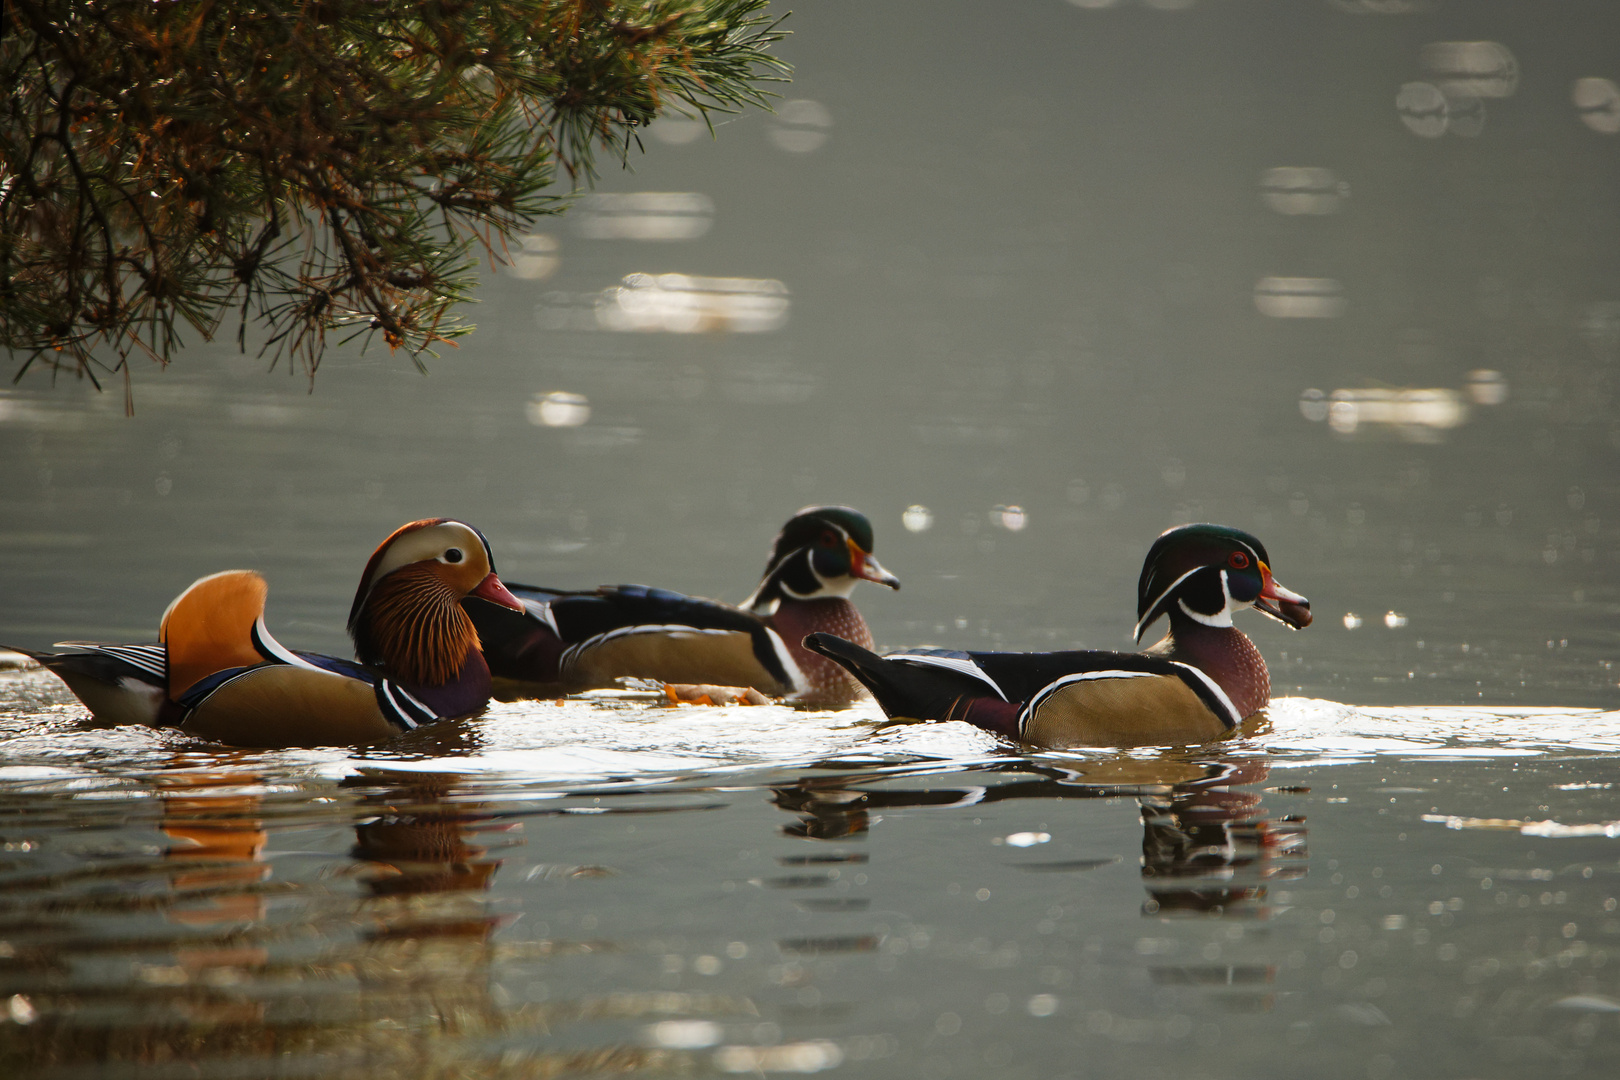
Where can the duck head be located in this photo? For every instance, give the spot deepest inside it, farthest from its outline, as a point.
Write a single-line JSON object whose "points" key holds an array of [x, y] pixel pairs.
{"points": [[1207, 572], [407, 616], [821, 553]]}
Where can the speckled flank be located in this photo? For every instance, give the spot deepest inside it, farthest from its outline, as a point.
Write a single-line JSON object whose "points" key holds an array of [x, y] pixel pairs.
{"points": [[827, 683]]}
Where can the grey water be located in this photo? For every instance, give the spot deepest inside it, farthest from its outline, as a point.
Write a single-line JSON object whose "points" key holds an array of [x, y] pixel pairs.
{"points": [[1026, 285]]}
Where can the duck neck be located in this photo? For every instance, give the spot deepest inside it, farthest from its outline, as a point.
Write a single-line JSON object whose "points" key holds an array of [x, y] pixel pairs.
{"points": [[415, 630], [1225, 654]]}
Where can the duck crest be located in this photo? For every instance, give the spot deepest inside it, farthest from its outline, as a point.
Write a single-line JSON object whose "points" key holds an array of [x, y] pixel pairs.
{"points": [[412, 626]]}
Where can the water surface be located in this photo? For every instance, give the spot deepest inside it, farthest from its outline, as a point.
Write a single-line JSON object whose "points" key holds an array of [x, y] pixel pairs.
{"points": [[1027, 287], [609, 884]]}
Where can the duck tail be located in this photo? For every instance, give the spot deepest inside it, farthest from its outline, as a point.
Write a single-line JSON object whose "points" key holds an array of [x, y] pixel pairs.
{"points": [[901, 689]]}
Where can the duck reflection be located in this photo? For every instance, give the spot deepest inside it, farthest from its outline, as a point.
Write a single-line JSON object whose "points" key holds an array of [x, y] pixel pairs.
{"points": [[215, 823], [217, 876], [425, 866], [1209, 846], [422, 843], [827, 810]]}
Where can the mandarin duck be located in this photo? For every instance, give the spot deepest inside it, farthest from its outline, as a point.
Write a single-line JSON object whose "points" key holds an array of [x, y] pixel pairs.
{"points": [[218, 673], [1197, 684], [569, 641]]}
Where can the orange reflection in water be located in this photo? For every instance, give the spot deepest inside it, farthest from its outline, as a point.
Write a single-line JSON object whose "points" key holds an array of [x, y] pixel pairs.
{"points": [[219, 842], [215, 822]]}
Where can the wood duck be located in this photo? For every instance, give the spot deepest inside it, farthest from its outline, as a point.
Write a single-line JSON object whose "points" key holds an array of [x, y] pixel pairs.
{"points": [[1197, 684], [218, 673], [569, 641]]}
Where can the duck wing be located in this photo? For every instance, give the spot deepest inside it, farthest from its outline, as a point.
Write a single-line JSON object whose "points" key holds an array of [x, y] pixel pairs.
{"points": [[1075, 698], [578, 640]]}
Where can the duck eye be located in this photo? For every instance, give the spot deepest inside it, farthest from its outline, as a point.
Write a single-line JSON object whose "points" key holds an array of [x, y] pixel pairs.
{"points": [[1238, 560], [828, 540], [454, 555]]}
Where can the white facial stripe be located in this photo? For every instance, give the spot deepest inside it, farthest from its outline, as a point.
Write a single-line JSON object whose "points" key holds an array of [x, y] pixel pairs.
{"points": [[1157, 600], [779, 563], [839, 587], [428, 543], [1223, 618]]}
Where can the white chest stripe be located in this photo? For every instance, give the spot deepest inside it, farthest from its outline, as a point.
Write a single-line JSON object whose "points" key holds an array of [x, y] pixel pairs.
{"points": [[952, 663], [1232, 718], [796, 677], [410, 713]]}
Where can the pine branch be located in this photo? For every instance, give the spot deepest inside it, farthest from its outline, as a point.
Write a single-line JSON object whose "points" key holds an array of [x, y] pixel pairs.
{"points": [[312, 166]]}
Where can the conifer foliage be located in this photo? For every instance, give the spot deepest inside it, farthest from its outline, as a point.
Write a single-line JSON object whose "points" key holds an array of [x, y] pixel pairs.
{"points": [[306, 168]]}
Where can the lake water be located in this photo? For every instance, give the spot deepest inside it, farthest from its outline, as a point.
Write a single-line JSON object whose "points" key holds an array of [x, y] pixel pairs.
{"points": [[1027, 288]]}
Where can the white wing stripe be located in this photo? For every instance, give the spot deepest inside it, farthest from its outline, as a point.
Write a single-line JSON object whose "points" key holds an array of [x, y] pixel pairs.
{"points": [[152, 659], [1069, 680], [276, 650], [964, 665]]}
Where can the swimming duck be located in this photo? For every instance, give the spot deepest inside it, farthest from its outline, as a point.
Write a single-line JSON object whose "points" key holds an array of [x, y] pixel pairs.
{"points": [[1196, 684], [218, 673], [569, 641]]}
